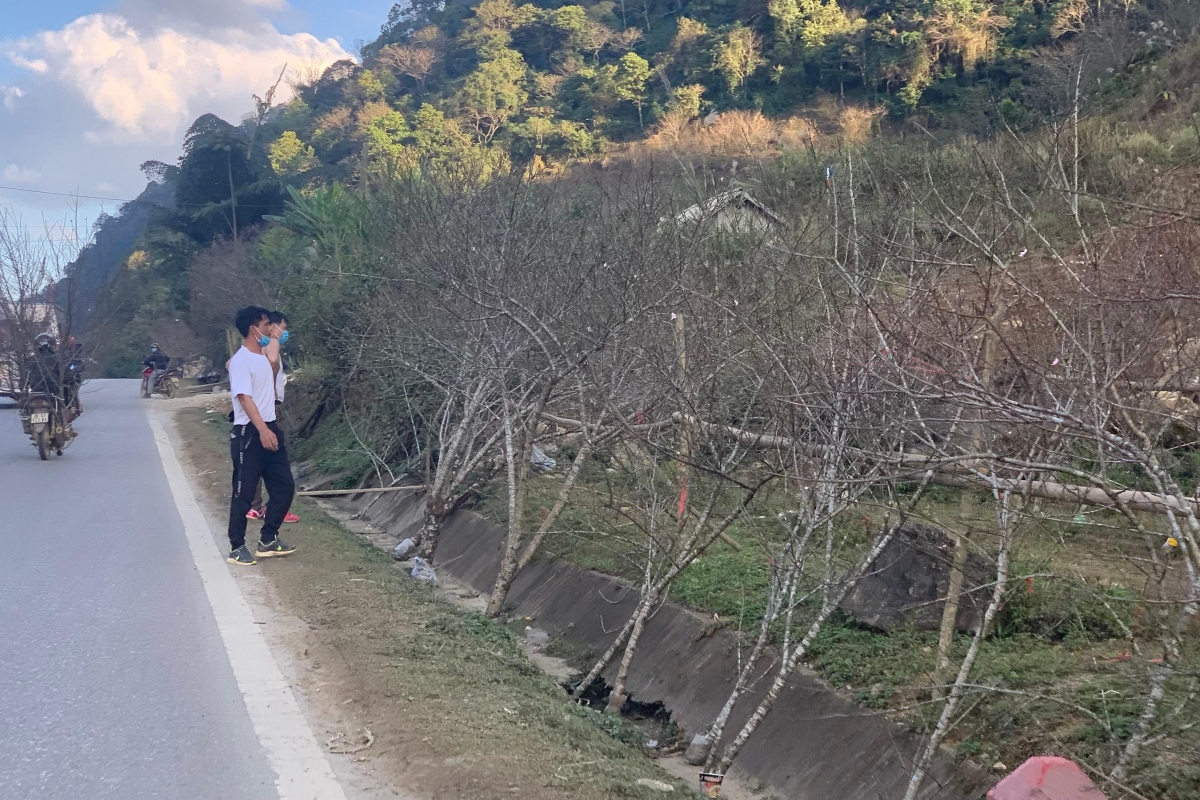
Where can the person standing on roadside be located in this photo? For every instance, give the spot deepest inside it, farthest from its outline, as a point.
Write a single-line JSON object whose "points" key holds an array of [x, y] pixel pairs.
{"points": [[273, 351], [256, 444]]}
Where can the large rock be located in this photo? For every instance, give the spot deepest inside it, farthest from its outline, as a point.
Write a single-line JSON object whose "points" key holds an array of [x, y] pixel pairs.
{"points": [[909, 581]]}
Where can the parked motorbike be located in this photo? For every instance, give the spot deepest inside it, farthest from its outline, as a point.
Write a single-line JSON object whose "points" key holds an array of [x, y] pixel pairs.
{"points": [[47, 421], [166, 382]]}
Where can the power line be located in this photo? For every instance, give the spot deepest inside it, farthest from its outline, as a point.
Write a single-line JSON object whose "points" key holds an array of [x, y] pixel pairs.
{"points": [[71, 194], [119, 200]]}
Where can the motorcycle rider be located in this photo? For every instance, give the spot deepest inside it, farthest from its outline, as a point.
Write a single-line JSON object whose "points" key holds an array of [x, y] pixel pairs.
{"points": [[157, 361], [41, 368], [46, 374]]}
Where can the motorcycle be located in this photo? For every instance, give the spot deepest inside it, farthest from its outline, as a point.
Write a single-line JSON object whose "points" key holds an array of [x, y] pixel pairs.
{"points": [[166, 382], [46, 419]]}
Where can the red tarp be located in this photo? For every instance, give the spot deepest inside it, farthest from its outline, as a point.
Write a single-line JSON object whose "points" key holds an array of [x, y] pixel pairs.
{"points": [[1046, 778]]}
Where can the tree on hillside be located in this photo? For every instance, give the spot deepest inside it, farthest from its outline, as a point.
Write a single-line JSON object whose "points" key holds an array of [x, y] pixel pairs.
{"points": [[632, 75], [221, 189], [492, 94], [290, 156], [738, 57]]}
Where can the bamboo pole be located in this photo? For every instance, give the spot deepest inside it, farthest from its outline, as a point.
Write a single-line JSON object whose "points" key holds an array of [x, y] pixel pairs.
{"points": [[331, 492]]}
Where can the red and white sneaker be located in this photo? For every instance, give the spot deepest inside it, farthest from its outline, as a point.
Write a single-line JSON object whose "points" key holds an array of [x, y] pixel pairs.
{"points": [[254, 514], [290, 517]]}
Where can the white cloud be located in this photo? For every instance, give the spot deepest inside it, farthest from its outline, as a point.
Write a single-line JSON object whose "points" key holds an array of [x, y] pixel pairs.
{"points": [[16, 174], [9, 95], [149, 86], [93, 108], [32, 64]]}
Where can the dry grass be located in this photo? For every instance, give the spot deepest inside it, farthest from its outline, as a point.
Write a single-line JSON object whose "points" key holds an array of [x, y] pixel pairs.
{"points": [[746, 134]]}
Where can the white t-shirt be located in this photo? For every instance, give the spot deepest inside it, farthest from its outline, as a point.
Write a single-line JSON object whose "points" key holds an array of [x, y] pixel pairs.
{"points": [[250, 374], [280, 383]]}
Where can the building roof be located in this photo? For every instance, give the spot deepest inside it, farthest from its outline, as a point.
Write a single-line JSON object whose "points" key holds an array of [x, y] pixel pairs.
{"points": [[733, 198]]}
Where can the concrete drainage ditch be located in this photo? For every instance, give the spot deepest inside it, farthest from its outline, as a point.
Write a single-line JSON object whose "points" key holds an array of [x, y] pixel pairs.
{"points": [[815, 744]]}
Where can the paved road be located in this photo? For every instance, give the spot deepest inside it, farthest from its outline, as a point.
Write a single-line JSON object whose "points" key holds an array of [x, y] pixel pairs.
{"points": [[114, 682]]}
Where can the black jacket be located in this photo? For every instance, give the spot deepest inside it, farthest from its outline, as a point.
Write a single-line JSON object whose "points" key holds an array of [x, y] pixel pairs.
{"points": [[41, 373], [159, 360]]}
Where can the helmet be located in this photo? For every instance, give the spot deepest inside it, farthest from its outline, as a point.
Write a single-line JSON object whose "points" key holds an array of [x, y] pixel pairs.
{"points": [[44, 341]]}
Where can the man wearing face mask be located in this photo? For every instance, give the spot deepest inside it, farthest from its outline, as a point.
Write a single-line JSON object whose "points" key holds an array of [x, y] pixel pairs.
{"points": [[279, 336], [157, 361], [257, 444]]}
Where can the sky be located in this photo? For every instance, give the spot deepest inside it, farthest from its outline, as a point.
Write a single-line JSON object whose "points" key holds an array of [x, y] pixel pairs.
{"points": [[90, 89]]}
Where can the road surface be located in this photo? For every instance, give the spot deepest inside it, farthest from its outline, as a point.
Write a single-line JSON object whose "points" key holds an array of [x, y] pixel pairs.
{"points": [[114, 679]]}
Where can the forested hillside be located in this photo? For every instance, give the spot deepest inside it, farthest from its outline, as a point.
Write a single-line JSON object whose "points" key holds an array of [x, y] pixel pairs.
{"points": [[542, 82], [467, 91]]}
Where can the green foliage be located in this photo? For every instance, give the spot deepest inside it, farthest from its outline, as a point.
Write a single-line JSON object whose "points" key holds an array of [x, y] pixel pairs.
{"points": [[1058, 609], [738, 57], [632, 73], [557, 82], [730, 583], [493, 92], [290, 156], [224, 182], [811, 21]]}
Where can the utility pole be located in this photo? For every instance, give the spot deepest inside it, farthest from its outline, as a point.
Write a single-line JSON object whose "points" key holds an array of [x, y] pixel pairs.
{"points": [[962, 539]]}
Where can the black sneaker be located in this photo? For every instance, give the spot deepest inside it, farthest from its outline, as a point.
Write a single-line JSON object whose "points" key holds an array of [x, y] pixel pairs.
{"points": [[241, 557], [273, 548]]}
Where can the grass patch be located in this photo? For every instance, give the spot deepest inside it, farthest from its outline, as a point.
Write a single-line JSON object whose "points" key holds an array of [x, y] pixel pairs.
{"points": [[438, 682]]}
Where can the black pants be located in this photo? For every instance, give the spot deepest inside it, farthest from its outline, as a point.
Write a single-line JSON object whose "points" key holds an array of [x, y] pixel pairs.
{"points": [[257, 502], [252, 461]]}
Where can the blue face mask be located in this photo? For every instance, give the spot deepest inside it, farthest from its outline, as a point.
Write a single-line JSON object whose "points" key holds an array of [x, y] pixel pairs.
{"points": [[283, 337], [263, 341]]}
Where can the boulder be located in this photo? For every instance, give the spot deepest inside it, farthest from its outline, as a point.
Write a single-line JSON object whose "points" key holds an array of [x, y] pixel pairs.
{"points": [[195, 367], [909, 580]]}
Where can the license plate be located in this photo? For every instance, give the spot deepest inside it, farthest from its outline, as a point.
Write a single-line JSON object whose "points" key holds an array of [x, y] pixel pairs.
{"points": [[40, 418]]}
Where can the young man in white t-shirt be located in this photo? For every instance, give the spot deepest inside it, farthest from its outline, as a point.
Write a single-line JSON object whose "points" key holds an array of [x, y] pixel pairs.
{"points": [[256, 444]]}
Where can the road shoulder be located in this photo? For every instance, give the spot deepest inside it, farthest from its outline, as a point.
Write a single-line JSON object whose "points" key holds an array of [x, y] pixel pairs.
{"points": [[433, 700]]}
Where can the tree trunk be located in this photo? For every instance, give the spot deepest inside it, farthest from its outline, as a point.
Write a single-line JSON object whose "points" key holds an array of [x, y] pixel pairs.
{"points": [[958, 566], [962, 541], [616, 699], [794, 657], [1157, 682], [964, 671], [718, 726], [606, 657], [431, 528], [660, 588], [516, 463]]}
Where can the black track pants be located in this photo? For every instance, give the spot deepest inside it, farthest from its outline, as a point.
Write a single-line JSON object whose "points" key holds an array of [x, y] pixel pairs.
{"points": [[252, 461]]}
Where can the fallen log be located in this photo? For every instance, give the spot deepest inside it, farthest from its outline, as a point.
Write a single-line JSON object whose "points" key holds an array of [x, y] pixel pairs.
{"points": [[950, 474]]}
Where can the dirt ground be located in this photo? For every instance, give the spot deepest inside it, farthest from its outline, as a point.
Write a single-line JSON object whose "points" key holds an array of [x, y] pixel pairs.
{"points": [[450, 704]]}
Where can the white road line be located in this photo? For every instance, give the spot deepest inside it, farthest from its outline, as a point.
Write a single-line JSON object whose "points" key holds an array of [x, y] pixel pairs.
{"points": [[302, 771]]}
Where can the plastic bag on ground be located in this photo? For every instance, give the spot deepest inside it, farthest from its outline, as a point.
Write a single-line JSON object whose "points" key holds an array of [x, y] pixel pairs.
{"points": [[423, 571], [540, 460], [404, 550]]}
